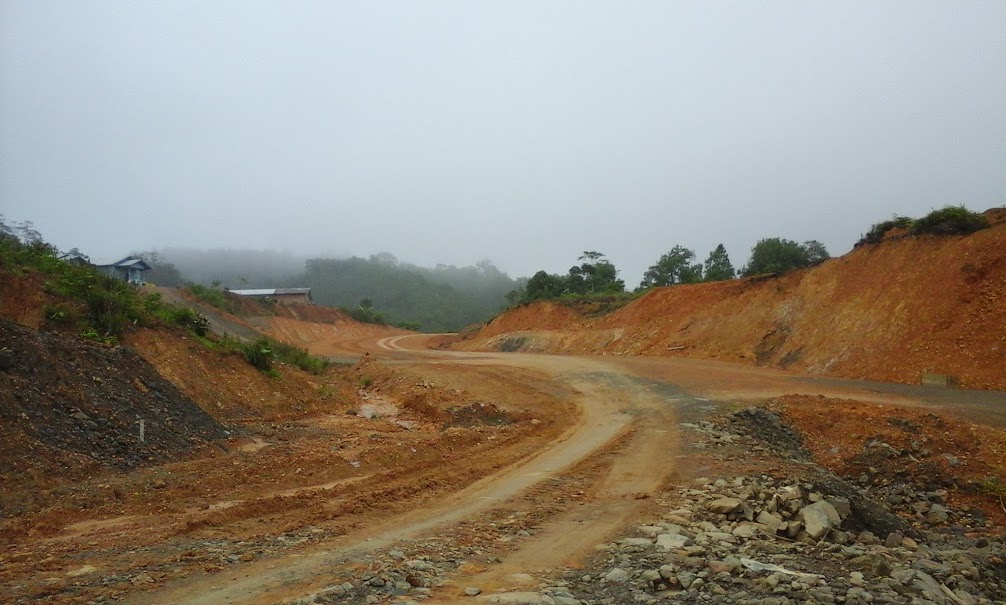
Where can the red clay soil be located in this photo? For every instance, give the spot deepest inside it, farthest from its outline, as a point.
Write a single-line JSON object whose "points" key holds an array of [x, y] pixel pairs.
{"points": [[22, 299], [891, 443], [228, 387], [887, 312]]}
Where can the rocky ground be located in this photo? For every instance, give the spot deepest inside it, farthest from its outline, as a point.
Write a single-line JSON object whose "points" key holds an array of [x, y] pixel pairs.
{"points": [[69, 407], [765, 526]]}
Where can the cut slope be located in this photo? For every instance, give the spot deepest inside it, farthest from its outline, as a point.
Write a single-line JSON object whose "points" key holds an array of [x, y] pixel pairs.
{"points": [[885, 312], [68, 406]]}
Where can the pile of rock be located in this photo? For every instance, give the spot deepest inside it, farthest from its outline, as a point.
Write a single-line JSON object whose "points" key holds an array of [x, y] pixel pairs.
{"points": [[771, 540], [796, 535], [756, 540]]}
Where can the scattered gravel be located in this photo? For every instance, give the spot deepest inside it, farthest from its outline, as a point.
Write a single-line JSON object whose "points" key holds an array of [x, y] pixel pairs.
{"points": [[798, 535]]}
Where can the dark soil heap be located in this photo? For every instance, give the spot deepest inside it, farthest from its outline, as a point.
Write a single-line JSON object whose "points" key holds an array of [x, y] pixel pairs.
{"points": [[68, 406]]}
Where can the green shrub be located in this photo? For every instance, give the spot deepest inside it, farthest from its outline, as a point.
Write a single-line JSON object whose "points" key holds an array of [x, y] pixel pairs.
{"points": [[299, 357], [61, 313], [184, 317], [259, 354], [264, 351], [110, 305], [952, 220], [877, 232]]}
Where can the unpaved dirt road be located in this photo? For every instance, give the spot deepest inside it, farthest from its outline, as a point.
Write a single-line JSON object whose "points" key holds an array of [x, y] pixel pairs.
{"points": [[623, 444]]}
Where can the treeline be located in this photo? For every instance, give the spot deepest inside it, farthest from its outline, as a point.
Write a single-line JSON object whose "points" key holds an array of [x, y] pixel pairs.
{"points": [[443, 299], [597, 276]]}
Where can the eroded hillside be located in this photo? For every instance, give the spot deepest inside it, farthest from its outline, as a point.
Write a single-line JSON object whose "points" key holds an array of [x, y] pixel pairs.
{"points": [[884, 312]]}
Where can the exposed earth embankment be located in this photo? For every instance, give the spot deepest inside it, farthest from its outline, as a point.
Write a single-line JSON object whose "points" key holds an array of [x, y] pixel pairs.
{"points": [[890, 312]]}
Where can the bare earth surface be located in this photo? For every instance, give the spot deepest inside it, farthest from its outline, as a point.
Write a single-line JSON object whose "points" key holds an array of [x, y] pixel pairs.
{"points": [[507, 466]]}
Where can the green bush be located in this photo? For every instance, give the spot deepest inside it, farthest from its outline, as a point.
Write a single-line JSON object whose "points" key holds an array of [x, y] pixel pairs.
{"points": [[877, 232], [264, 351], [952, 220], [299, 357], [110, 305], [61, 313], [184, 317], [259, 354]]}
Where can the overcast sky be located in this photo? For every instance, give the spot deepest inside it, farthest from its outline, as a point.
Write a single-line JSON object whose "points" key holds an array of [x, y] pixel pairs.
{"points": [[523, 132]]}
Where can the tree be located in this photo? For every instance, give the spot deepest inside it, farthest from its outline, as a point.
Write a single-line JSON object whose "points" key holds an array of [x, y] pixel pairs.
{"points": [[675, 267], [542, 285], [776, 255], [718, 267], [816, 252], [595, 274]]}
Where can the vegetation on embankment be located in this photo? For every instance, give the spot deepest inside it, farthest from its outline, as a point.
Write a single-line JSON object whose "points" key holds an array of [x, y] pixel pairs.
{"points": [[887, 312], [80, 300]]}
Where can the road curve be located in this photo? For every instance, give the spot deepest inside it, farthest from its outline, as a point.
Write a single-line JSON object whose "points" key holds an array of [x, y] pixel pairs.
{"points": [[635, 402], [607, 414]]}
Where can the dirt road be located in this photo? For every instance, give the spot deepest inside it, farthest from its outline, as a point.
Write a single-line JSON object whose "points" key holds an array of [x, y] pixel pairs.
{"points": [[622, 449]]}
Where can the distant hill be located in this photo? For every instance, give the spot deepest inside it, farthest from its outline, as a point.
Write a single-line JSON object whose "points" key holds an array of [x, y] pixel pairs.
{"points": [[444, 299], [441, 299]]}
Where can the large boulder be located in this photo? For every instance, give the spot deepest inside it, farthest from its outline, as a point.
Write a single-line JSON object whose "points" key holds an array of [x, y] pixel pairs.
{"points": [[819, 518]]}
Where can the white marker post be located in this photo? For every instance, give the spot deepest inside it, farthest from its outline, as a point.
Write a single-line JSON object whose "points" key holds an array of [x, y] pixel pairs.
{"points": [[141, 431]]}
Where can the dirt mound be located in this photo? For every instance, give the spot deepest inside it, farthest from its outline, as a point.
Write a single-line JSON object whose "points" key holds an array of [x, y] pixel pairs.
{"points": [[768, 427], [67, 406], [885, 312], [904, 455]]}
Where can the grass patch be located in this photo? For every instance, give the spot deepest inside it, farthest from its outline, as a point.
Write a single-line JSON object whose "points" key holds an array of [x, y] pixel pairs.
{"points": [[599, 304], [365, 315], [215, 297], [299, 357], [264, 352]]}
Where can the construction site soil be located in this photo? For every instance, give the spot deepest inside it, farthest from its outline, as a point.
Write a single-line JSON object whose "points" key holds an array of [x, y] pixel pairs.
{"points": [[415, 474], [889, 312]]}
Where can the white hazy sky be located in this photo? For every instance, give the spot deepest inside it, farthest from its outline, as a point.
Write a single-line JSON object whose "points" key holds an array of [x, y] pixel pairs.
{"points": [[523, 132]]}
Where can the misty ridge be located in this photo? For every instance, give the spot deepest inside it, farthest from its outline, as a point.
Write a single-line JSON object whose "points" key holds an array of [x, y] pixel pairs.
{"points": [[445, 298]]}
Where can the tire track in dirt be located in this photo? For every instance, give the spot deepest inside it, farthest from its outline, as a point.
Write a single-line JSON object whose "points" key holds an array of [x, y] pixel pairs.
{"points": [[606, 415], [621, 400]]}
